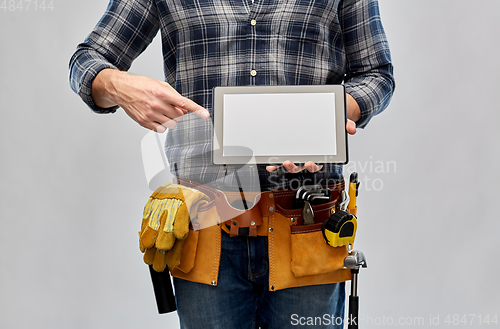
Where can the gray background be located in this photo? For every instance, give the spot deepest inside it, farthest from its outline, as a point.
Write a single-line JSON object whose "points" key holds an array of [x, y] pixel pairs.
{"points": [[73, 185]]}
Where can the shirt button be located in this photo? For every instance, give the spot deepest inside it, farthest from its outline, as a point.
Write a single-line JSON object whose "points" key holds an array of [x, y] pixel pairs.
{"points": [[253, 73], [253, 22]]}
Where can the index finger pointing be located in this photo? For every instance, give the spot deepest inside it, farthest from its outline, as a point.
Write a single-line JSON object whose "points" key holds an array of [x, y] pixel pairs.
{"points": [[190, 106]]}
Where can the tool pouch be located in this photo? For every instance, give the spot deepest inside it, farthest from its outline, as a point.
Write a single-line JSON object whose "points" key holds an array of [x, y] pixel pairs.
{"points": [[298, 254], [310, 254], [200, 255], [201, 264]]}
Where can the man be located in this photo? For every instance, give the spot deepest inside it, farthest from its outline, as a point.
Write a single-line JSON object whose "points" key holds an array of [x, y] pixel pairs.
{"points": [[209, 43]]}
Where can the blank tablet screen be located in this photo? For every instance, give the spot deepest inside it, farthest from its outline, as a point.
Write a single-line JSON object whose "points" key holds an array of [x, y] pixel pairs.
{"points": [[280, 124]]}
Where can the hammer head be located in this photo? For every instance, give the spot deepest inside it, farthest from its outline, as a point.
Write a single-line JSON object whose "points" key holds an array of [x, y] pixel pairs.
{"points": [[355, 260]]}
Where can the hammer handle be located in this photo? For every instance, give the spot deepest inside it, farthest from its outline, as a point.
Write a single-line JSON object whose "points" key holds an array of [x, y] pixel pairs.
{"points": [[353, 312]]}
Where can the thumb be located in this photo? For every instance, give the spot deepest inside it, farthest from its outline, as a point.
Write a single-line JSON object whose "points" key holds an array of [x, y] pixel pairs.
{"points": [[350, 127]]}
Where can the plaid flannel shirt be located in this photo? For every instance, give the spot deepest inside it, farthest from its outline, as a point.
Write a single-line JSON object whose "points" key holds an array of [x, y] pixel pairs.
{"points": [[208, 43]]}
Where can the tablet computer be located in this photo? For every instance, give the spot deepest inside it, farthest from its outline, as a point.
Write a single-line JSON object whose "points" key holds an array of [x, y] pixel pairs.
{"points": [[272, 124]]}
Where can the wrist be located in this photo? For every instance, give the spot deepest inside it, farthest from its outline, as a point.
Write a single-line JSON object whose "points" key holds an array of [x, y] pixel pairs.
{"points": [[105, 87], [352, 108]]}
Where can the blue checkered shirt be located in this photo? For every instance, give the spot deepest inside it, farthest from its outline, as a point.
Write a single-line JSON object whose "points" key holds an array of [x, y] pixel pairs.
{"points": [[208, 43]]}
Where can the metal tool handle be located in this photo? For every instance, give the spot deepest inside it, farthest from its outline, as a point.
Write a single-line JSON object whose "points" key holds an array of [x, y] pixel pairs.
{"points": [[354, 261]]}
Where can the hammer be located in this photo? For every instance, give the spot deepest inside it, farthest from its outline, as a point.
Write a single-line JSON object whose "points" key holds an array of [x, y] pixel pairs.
{"points": [[353, 262]]}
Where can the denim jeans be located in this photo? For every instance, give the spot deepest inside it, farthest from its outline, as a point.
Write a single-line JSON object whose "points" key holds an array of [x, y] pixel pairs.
{"points": [[242, 298]]}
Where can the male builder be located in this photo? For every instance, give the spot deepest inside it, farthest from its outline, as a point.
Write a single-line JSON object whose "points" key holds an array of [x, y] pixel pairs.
{"points": [[209, 43]]}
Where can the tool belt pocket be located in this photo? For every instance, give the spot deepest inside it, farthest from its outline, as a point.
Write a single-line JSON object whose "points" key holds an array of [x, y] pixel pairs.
{"points": [[310, 253], [188, 254], [200, 255]]}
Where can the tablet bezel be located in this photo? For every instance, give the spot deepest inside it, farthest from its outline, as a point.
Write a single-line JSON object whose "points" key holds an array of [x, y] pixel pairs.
{"points": [[340, 123]]}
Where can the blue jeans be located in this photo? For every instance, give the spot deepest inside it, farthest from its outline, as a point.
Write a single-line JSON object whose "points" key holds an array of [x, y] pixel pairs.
{"points": [[242, 298]]}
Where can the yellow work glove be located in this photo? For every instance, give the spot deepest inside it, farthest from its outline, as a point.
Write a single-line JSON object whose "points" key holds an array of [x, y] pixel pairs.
{"points": [[165, 224]]}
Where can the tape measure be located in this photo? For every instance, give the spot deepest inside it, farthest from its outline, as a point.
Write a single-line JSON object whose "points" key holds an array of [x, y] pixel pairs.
{"points": [[340, 229]]}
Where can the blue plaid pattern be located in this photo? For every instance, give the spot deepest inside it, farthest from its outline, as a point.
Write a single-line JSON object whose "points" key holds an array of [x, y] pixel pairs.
{"points": [[208, 43]]}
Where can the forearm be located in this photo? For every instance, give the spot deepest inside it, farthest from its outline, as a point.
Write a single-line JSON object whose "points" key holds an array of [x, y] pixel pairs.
{"points": [[85, 64], [152, 103], [372, 92]]}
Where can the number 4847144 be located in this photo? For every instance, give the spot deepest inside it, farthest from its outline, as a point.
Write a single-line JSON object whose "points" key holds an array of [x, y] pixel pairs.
{"points": [[27, 5], [471, 319]]}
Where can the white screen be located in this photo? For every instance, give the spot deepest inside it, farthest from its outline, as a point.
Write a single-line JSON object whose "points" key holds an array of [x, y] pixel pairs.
{"points": [[280, 124]]}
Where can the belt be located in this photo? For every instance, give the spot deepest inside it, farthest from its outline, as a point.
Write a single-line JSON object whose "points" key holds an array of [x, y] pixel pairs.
{"points": [[254, 221]]}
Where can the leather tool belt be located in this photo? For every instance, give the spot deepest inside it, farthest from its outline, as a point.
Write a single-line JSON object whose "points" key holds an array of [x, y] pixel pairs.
{"points": [[298, 255], [261, 205]]}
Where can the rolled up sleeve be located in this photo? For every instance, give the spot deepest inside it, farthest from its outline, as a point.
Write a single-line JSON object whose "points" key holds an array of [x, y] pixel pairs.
{"points": [[369, 77], [123, 33]]}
